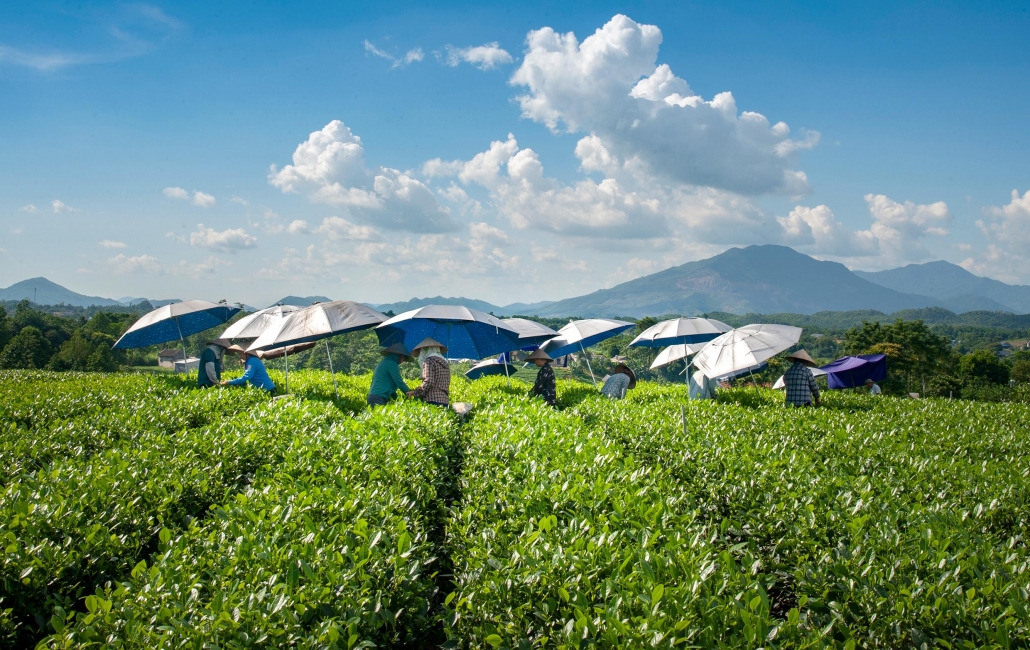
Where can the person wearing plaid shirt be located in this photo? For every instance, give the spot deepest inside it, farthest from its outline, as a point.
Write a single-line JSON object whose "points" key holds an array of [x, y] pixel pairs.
{"points": [[799, 380], [436, 373]]}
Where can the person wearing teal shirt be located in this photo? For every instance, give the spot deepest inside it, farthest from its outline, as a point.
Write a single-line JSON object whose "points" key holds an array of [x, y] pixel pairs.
{"points": [[386, 378], [210, 370], [253, 371]]}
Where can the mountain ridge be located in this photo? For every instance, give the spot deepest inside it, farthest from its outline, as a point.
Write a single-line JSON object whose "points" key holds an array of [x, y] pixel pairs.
{"points": [[947, 281]]}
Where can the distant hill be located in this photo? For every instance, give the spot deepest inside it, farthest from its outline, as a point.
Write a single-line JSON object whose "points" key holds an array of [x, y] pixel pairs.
{"points": [[44, 292], [761, 279], [953, 284], [298, 301], [842, 320], [415, 303], [525, 308]]}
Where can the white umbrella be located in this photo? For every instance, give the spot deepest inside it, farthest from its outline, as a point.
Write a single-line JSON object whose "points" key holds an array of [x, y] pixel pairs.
{"points": [[680, 330], [319, 321], [581, 334], [781, 384], [675, 353], [745, 347], [254, 325]]}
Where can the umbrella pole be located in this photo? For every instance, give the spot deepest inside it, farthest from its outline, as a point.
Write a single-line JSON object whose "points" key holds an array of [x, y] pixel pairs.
{"points": [[185, 365], [330, 357], [753, 382], [581, 349], [506, 375], [286, 356]]}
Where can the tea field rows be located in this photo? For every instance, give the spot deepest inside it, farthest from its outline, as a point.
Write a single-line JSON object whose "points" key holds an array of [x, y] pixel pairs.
{"points": [[137, 511]]}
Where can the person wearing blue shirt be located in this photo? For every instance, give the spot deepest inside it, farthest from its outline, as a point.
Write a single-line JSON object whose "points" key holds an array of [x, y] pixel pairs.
{"points": [[253, 371]]}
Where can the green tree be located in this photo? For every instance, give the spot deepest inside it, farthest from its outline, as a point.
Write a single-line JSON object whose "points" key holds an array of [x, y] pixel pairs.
{"points": [[1021, 370], [85, 351], [5, 328], [984, 366], [27, 349], [914, 352]]}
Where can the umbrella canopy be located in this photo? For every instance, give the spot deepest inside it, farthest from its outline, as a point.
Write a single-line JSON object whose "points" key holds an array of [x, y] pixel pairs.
{"points": [[254, 325], [680, 330], [281, 352], [745, 347], [675, 353], [530, 332], [781, 384], [490, 367], [175, 322], [580, 334], [466, 333], [318, 322], [848, 372]]}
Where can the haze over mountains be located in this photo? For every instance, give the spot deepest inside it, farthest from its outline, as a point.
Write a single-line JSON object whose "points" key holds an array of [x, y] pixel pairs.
{"points": [[757, 279]]}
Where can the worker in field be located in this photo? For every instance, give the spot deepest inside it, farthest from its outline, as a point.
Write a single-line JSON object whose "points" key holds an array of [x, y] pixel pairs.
{"points": [[254, 371], [210, 371], [544, 386], [436, 373], [874, 389], [701, 387], [622, 379], [386, 378], [799, 380]]}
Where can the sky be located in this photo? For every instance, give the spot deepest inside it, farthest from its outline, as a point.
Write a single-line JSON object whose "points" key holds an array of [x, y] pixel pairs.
{"points": [[510, 152]]}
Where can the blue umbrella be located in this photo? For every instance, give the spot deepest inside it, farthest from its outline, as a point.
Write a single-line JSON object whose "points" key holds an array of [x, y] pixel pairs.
{"points": [[466, 333], [491, 367], [531, 333], [581, 334], [175, 321]]}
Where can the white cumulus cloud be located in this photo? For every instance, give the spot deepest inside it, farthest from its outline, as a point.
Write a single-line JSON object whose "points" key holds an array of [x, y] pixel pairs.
{"points": [[330, 167], [411, 56], [29, 208], [227, 240], [59, 207], [897, 235], [201, 199], [1007, 230], [484, 57], [138, 265], [611, 86]]}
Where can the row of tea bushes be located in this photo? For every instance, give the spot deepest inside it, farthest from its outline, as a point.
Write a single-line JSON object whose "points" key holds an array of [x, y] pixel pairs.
{"points": [[332, 547]]}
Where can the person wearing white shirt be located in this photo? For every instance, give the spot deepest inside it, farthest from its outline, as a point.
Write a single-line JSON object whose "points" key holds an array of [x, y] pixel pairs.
{"points": [[874, 389]]}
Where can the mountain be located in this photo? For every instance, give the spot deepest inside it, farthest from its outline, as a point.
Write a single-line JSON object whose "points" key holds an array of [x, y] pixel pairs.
{"points": [[298, 301], [415, 303], [950, 282], [525, 308], [44, 292], [762, 279]]}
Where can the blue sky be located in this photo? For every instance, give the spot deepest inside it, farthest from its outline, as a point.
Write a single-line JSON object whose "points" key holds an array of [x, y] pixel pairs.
{"points": [[136, 142]]}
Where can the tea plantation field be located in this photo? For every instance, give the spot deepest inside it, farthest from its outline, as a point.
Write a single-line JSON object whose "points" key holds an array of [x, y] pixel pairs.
{"points": [[137, 511]]}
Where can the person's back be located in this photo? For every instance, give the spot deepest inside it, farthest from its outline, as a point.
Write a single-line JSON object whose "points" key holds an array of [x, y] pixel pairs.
{"points": [[701, 387], [800, 384], [615, 386], [386, 380], [436, 381], [209, 373]]}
